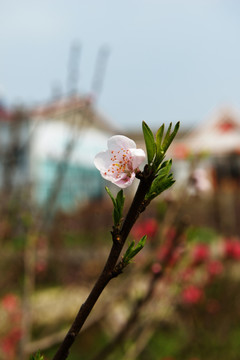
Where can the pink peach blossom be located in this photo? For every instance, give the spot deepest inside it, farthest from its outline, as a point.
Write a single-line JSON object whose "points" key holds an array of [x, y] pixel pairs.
{"points": [[120, 162]]}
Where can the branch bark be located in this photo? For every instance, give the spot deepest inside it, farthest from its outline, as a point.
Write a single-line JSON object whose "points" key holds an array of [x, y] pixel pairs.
{"points": [[154, 279], [119, 239]]}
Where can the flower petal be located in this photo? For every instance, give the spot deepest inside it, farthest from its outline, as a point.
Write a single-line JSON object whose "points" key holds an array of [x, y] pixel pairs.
{"points": [[138, 156], [102, 160], [126, 181], [119, 162], [117, 142]]}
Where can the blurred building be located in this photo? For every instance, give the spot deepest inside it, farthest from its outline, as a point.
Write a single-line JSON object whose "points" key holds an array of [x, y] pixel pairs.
{"points": [[14, 152], [214, 146], [66, 136], [49, 152]]}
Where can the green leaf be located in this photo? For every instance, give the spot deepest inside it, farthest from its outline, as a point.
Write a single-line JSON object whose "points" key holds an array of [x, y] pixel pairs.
{"points": [[164, 168], [133, 251], [118, 204], [165, 141], [150, 142], [37, 356], [120, 200], [170, 136], [118, 208], [160, 153], [159, 136], [139, 246], [111, 195], [162, 182], [129, 250], [161, 186]]}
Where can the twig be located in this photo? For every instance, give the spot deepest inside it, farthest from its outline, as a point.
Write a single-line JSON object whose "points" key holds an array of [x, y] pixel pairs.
{"points": [[108, 273], [117, 294], [119, 338]]}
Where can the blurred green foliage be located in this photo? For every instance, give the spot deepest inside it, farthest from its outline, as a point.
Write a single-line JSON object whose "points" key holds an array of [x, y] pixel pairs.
{"points": [[197, 234]]}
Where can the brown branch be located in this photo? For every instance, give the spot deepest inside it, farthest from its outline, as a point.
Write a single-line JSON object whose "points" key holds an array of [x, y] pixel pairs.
{"points": [[117, 294], [119, 338], [138, 205]]}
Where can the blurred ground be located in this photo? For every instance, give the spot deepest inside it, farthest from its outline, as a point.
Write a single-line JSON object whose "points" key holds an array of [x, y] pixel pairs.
{"points": [[193, 312]]}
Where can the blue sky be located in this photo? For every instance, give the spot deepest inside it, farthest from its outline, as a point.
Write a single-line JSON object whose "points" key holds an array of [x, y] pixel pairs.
{"points": [[169, 60]]}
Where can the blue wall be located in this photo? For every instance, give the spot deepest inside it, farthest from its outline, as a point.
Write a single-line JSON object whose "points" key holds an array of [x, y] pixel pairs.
{"points": [[80, 183]]}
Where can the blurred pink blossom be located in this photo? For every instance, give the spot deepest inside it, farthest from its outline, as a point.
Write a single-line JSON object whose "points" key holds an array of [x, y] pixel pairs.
{"points": [[232, 249], [147, 227], [200, 253], [10, 302], [9, 343], [156, 268], [215, 267], [192, 294], [200, 181], [187, 274]]}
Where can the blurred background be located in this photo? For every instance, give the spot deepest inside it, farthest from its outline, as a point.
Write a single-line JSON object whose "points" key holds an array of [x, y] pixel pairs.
{"points": [[72, 74]]}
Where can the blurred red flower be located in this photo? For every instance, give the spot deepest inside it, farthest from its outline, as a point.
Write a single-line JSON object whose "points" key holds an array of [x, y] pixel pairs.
{"points": [[147, 227], [156, 268], [9, 343], [10, 302], [215, 267], [192, 295], [187, 274], [232, 249], [200, 253]]}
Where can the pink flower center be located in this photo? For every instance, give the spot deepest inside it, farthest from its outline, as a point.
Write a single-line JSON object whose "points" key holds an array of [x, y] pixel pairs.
{"points": [[121, 163]]}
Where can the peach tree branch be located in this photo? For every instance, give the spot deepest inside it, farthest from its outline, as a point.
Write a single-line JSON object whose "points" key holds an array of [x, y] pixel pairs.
{"points": [[121, 170]]}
